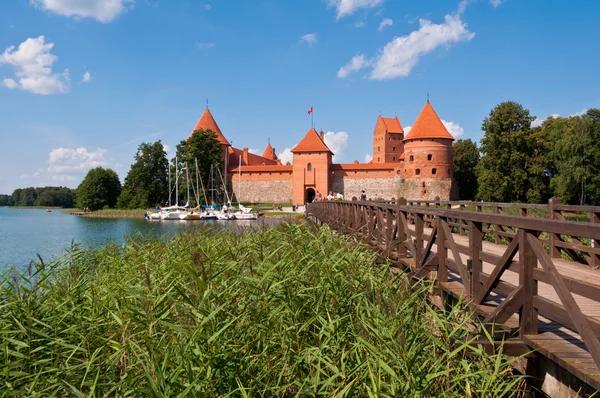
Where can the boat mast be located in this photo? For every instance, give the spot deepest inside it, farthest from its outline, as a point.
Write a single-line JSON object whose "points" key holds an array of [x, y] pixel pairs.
{"points": [[176, 183], [187, 182], [169, 184], [240, 182]]}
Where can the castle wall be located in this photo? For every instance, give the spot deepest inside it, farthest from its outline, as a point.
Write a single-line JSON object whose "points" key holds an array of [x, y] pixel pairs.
{"points": [[375, 188], [261, 190]]}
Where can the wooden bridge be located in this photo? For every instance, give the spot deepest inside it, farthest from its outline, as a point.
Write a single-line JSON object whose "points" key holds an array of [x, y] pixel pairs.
{"points": [[530, 269]]}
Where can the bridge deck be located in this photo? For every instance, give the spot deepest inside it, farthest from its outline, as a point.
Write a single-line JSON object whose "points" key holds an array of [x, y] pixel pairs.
{"points": [[559, 343]]}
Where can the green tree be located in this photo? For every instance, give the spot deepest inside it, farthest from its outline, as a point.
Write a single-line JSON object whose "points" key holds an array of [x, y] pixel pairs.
{"points": [[203, 146], [575, 153], [465, 160], [146, 183], [4, 200], [513, 167], [100, 187]]}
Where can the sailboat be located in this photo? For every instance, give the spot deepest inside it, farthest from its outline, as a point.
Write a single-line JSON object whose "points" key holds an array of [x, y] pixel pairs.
{"points": [[225, 212], [243, 213], [175, 212]]}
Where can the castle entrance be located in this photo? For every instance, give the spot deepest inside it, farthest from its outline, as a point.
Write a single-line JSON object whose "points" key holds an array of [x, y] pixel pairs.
{"points": [[310, 195]]}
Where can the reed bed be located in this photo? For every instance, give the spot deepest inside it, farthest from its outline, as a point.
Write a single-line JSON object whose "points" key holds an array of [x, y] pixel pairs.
{"points": [[280, 311]]}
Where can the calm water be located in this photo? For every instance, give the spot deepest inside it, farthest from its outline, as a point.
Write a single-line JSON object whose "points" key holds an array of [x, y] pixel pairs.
{"points": [[26, 232]]}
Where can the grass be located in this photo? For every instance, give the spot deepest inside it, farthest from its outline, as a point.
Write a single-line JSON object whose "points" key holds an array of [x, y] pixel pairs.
{"points": [[108, 213], [282, 311]]}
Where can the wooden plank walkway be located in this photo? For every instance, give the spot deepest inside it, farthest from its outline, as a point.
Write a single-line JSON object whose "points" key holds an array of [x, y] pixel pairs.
{"points": [[557, 342]]}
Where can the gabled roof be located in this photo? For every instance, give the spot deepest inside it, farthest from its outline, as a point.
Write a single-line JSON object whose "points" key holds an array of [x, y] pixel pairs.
{"points": [[392, 124], [249, 159], [428, 125], [269, 153], [207, 122], [311, 143]]}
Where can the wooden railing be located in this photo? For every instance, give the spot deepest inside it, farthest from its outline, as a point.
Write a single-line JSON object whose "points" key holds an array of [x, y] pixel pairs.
{"points": [[560, 245], [399, 230]]}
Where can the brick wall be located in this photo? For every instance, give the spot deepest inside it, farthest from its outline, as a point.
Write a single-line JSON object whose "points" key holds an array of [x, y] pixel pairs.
{"points": [[273, 191]]}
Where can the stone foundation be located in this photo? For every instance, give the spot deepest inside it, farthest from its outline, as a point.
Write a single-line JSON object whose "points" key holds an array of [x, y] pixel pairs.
{"points": [[274, 191], [375, 188], [426, 188]]}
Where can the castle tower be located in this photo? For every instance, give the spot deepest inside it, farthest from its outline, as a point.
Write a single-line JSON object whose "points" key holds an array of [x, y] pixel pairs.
{"points": [[269, 152], [387, 140], [428, 155], [207, 122], [310, 165]]}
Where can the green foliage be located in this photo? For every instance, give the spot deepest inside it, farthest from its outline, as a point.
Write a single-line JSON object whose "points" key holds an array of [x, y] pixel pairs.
{"points": [[100, 187], [513, 166], [575, 153], [4, 200], [465, 160], [146, 183], [240, 314], [203, 146], [41, 196]]}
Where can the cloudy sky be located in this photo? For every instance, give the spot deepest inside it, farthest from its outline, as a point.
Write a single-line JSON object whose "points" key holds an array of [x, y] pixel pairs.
{"points": [[83, 83]]}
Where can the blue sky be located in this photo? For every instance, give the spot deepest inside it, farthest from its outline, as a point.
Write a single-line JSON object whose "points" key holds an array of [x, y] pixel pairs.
{"points": [[83, 83]]}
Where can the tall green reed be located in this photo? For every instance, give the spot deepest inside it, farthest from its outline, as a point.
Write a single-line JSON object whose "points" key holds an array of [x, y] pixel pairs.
{"points": [[282, 311]]}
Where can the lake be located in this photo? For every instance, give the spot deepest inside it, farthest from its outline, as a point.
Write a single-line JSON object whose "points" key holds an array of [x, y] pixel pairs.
{"points": [[24, 233]]}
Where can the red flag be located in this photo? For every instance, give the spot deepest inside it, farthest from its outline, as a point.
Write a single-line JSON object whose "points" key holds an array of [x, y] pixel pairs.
{"points": [[310, 110]]}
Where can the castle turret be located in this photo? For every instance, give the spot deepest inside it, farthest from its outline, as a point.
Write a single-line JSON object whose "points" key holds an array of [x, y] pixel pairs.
{"points": [[428, 156], [387, 140], [269, 152], [207, 122], [311, 163]]}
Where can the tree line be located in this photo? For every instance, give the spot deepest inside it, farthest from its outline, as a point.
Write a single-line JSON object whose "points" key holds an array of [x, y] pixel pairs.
{"points": [[516, 162], [40, 196]]}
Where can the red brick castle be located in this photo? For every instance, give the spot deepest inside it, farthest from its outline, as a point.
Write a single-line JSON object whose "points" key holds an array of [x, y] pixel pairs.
{"points": [[415, 166]]}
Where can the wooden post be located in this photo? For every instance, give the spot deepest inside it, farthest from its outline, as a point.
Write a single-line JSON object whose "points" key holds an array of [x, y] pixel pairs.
{"points": [[401, 234], [419, 237], [527, 262], [594, 243], [442, 252], [554, 251], [461, 230], [497, 228], [475, 246]]}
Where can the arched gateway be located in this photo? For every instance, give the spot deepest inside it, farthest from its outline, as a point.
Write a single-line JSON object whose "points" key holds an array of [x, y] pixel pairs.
{"points": [[310, 195]]}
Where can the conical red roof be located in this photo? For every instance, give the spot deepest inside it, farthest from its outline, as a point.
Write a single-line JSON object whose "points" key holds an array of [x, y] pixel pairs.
{"points": [[269, 153], [428, 125], [311, 143], [207, 122]]}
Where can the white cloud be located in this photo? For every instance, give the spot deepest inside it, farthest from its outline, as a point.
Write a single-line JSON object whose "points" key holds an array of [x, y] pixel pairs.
{"points": [[399, 56], [101, 10], [540, 121], [204, 46], [368, 158], [286, 156], [406, 130], [359, 24], [207, 6], [33, 68], [496, 3], [64, 160], [63, 177], [86, 77], [580, 113], [356, 63], [453, 128], [348, 7], [337, 142], [310, 39], [385, 22], [254, 151]]}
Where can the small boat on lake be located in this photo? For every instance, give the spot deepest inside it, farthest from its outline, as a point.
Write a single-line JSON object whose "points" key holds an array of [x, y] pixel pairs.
{"points": [[48, 211]]}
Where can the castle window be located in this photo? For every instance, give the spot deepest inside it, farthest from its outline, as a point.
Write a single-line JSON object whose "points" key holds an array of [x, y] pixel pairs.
{"points": [[394, 148], [423, 184], [394, 158], [418, 172], [263, 164], [389, 138], [429, 157], [309, 167], [378, 158], [412, 158], [378, 148], [433, 171]]}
